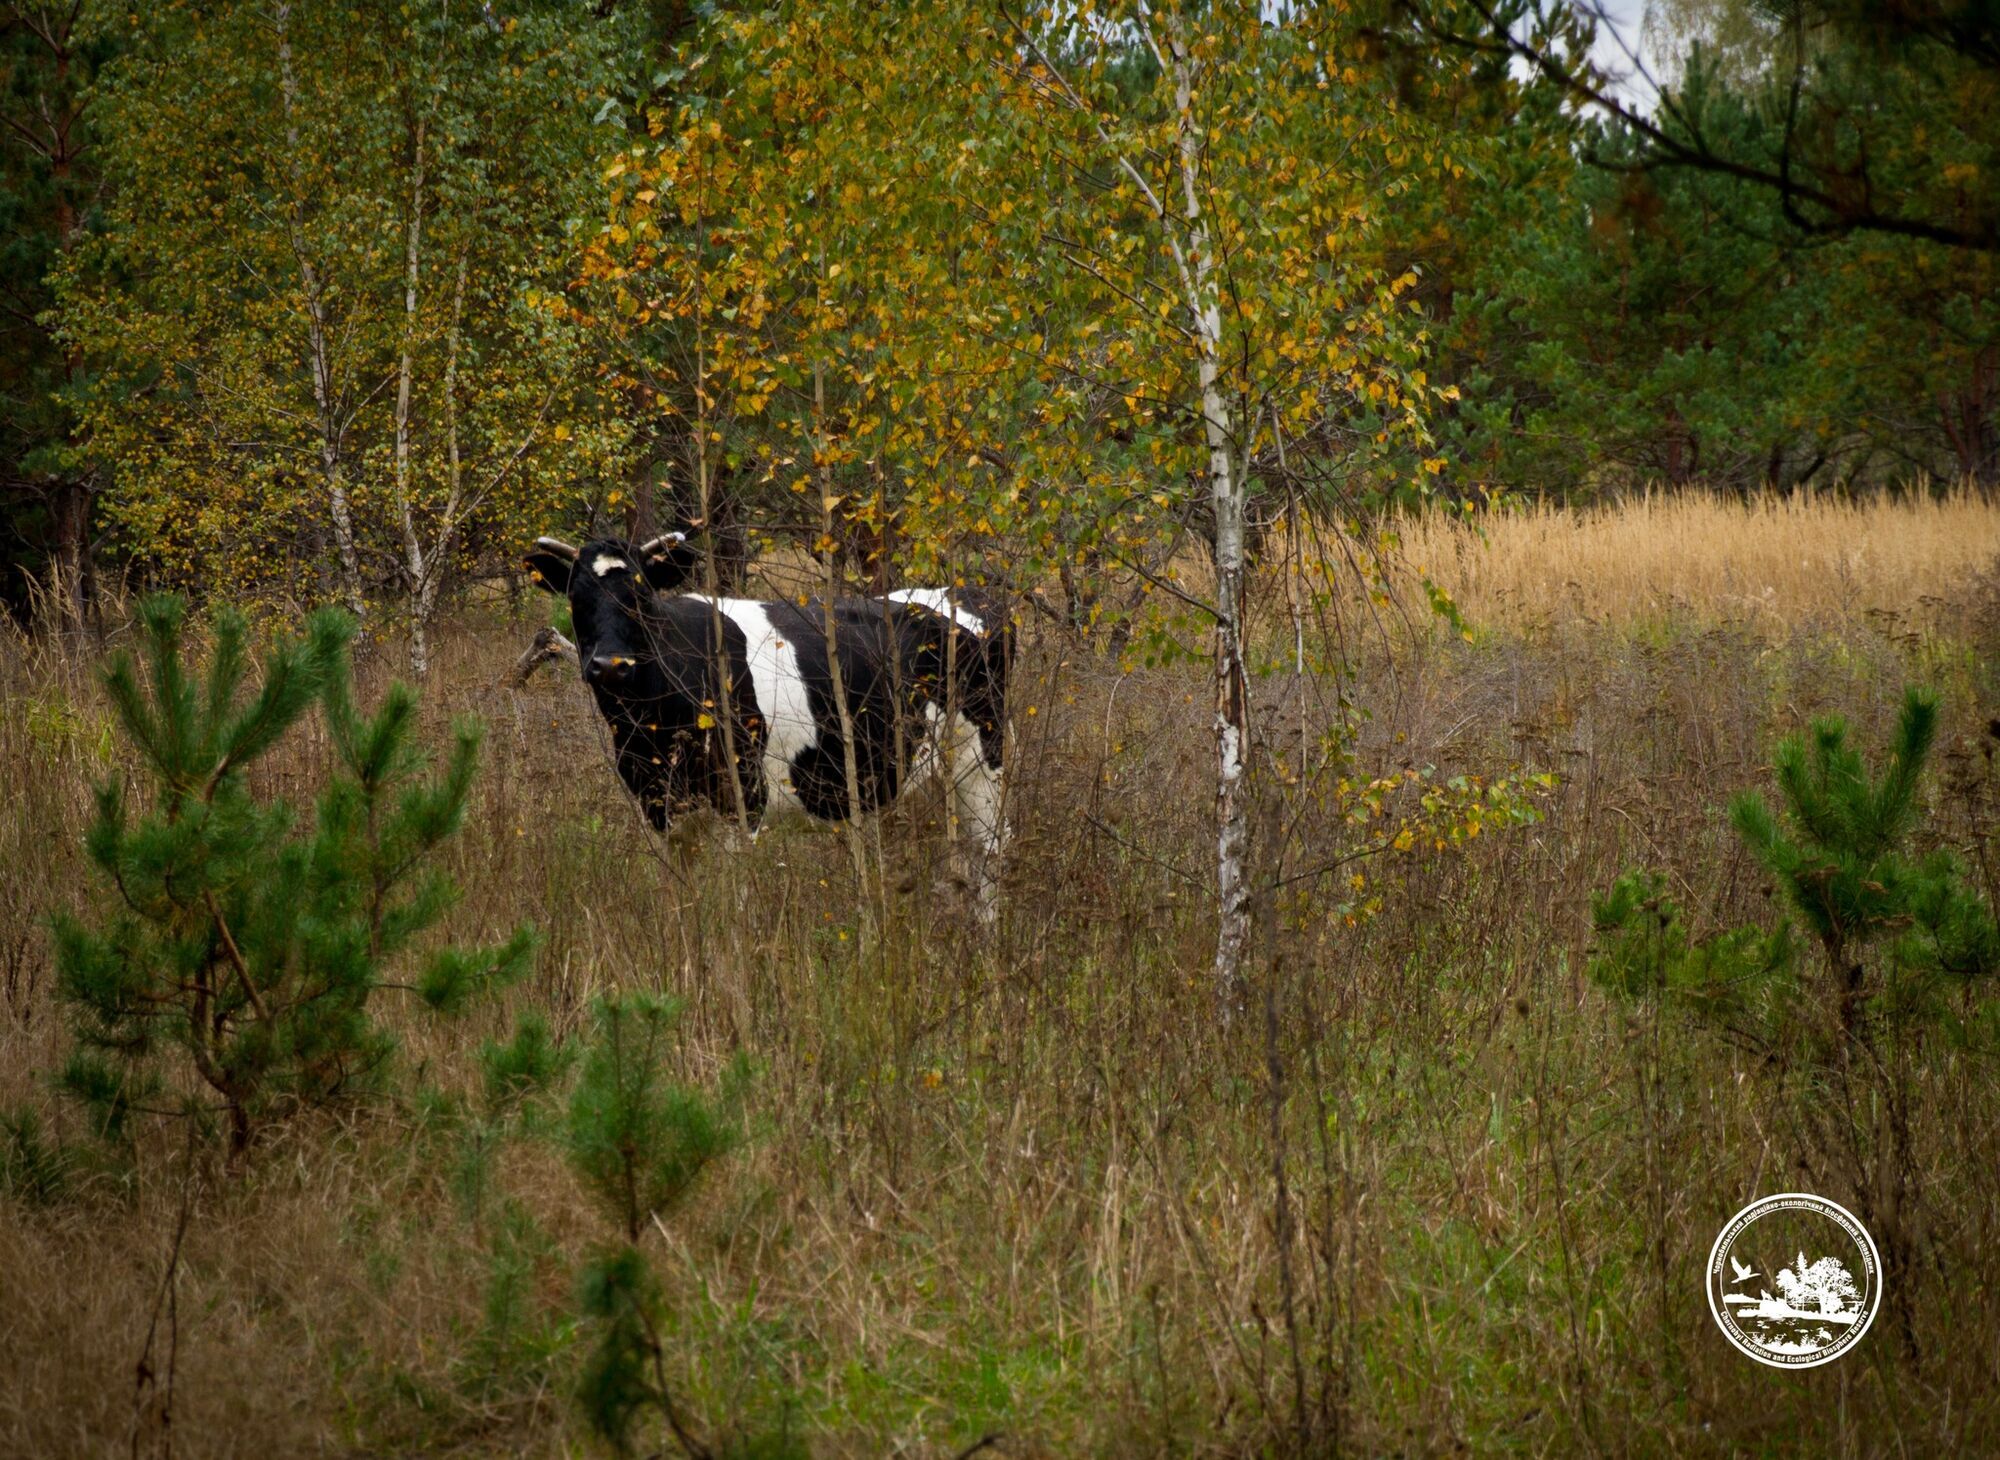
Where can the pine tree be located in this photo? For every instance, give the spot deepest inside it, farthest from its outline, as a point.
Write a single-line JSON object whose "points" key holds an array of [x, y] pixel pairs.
{"points": [[639, 1141], [235, 934], [1894, 926], [1898, 930]]}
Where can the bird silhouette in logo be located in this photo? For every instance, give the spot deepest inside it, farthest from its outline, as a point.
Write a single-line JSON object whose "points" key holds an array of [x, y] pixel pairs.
{"points": [[1744, 1272]]}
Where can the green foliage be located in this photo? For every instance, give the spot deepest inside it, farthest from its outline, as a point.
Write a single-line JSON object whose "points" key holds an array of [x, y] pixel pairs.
{"points": [[637, 1139], [1614, 323], [50, 190], [619, 1294], [624, 1374], [796, 279], [31, 1169], [518, 1338], [234, 932], [1839, 849], [294, 205], [1895, 928], [1634, 327], [1645, 952], [1890, 123], [1843, 1037], [525, 1066]]}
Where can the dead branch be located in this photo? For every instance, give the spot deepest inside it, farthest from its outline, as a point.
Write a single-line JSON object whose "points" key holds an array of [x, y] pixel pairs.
{"points": [[547, 645]]}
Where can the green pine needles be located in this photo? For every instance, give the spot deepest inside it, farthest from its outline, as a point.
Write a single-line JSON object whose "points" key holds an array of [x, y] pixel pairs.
{"points": [[1645, 952], [238, 943], [639, 1142], [637, 1139], [1906, 951], [1897, 930]]}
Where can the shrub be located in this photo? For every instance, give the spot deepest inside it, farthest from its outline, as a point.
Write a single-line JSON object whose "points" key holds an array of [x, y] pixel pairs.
{"points": [[1897, 931], [525, 1067]]}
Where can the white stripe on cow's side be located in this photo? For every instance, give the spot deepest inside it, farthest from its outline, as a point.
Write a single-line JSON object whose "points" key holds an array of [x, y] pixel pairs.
{"points": [[780, 691], [938, 601]]}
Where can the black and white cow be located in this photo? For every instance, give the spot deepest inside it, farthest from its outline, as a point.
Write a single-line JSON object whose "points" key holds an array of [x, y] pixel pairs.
{"points": [[683, 678]]}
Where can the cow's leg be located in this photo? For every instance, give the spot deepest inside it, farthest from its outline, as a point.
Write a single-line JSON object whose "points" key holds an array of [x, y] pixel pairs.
{"points": [[978, 815]]}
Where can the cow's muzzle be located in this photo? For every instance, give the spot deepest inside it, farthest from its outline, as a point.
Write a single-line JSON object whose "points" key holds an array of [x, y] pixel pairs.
{"points": [[609, 670]]}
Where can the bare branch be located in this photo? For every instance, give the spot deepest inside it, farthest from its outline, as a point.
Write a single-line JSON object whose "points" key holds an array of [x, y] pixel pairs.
{"points": [[1694, 151], [546, 645]]}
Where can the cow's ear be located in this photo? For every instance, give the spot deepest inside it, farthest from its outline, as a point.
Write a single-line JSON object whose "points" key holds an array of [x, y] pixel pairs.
{"points": [[668, 561], [550, 562]]}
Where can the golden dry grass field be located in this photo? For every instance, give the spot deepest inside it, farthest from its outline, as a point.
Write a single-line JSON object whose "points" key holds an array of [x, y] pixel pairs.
{"points": [[1019, 1185], [1768, 563]]}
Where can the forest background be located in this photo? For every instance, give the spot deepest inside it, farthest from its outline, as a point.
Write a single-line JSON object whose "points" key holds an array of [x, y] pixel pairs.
{"points": [[347, 302]]}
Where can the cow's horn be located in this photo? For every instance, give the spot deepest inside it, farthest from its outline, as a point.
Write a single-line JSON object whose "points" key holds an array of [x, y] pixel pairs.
{"points": [[557, 546], [661, 543]]}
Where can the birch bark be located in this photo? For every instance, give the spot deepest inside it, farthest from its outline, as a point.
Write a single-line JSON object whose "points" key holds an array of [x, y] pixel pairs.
{"points": [[326, 401], [1226, 497], [1191, 243], [414, 562]]}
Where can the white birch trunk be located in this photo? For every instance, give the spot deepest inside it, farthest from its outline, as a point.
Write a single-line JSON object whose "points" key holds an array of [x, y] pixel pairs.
{"points": [[1226, 496], [332, 430], [413, 547], [440, 553]]}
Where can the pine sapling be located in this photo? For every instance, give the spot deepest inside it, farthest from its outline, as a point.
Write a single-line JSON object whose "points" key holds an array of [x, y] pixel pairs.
{"points": [[639, 1141], [233, 933], [1894, 928], [1898, 931]]}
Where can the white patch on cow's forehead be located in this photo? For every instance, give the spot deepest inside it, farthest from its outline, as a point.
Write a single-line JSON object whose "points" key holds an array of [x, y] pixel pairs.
{"points": [[604, 563], [938, 601], [781, 694]]}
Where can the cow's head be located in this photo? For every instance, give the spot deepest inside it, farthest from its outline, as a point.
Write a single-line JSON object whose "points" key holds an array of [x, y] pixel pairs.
{"points": [[610, 585]]}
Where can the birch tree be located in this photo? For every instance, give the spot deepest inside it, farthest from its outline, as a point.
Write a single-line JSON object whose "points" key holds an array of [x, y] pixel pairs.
{"points": [[1219, 214], [317, 313], [334, 398], [474, 155], [1074, 277]]}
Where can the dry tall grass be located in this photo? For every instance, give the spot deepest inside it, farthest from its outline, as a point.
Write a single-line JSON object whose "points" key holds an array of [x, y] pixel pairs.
{"points": [[1773, 563], [1019, 1183]]}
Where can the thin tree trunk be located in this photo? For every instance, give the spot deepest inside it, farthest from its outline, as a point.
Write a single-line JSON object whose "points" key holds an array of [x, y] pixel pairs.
{"points": [[332, 430], [1189, 242], [1964, 414], [413, 547], [850, 765], [1295, 572], [440, 554], [72, 513], [1226, 498], [73, 583]]}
